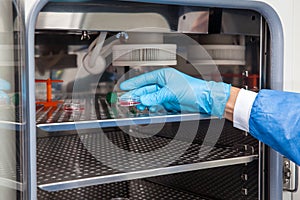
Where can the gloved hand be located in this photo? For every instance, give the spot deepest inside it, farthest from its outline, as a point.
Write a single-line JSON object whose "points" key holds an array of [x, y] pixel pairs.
{"points": [[177, 91]]}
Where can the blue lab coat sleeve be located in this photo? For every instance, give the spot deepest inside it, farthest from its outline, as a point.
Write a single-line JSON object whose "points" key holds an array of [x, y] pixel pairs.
{"points": [[275, 120]]}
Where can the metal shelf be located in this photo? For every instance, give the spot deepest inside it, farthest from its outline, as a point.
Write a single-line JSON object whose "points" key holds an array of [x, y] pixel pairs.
{"points": [[216, 183], [100, 113], [127, 190], [15, 126], [65, 162]]}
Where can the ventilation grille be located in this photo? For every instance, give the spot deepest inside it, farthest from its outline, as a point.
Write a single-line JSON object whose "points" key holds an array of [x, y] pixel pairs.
{"points": [[217, 54], [144, 55]]}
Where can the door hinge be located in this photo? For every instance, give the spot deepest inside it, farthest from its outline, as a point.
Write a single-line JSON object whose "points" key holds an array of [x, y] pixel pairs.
{"points": [[290, 176]]}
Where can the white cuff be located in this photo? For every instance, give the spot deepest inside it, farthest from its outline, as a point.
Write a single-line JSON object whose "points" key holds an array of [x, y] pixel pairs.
{"points": [[242, 109]]}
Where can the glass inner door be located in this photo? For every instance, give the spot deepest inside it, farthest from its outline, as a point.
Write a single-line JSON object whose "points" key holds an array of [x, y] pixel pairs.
{"points": [[11, 120]]}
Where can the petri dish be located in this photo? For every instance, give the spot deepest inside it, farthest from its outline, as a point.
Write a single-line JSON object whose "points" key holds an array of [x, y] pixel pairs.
{"points": [[71, 107], [129, 101]]}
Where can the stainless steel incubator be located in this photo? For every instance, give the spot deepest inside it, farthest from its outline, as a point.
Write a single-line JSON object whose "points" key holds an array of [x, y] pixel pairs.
{"points": [[77, 139]]}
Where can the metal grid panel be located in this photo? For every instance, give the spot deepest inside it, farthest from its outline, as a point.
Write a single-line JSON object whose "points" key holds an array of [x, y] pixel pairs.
{"points": [[65, 158], [229, 137], [129, 190], [102, 113], [105, 115], [94, 109], [219, 183]]}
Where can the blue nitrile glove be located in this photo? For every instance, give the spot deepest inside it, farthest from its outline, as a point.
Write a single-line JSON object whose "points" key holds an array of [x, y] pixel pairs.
{"points": [[177, 91]]}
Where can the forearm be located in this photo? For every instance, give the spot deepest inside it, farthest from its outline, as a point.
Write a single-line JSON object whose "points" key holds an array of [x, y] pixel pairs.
{"points": [[229, 109], [270, 116]]}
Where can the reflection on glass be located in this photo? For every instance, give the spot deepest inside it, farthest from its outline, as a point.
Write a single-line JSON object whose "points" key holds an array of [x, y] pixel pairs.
{"points": [[10, 103]]}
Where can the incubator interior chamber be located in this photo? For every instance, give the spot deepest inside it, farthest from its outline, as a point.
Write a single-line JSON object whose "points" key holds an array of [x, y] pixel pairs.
{"points": [[93, 145]]}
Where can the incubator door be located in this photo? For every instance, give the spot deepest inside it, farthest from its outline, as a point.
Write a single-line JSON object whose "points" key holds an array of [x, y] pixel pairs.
{"points": [[11, 120]]}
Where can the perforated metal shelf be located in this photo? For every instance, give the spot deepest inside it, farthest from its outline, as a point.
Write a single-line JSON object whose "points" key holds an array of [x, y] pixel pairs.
{"points": [[99, 113], [217, 183], [73, 161], [126, 190]]}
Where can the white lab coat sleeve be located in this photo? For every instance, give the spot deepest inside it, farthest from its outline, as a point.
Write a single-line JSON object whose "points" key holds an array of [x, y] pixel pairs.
{"points": [[275, 120], [242, 109]]}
